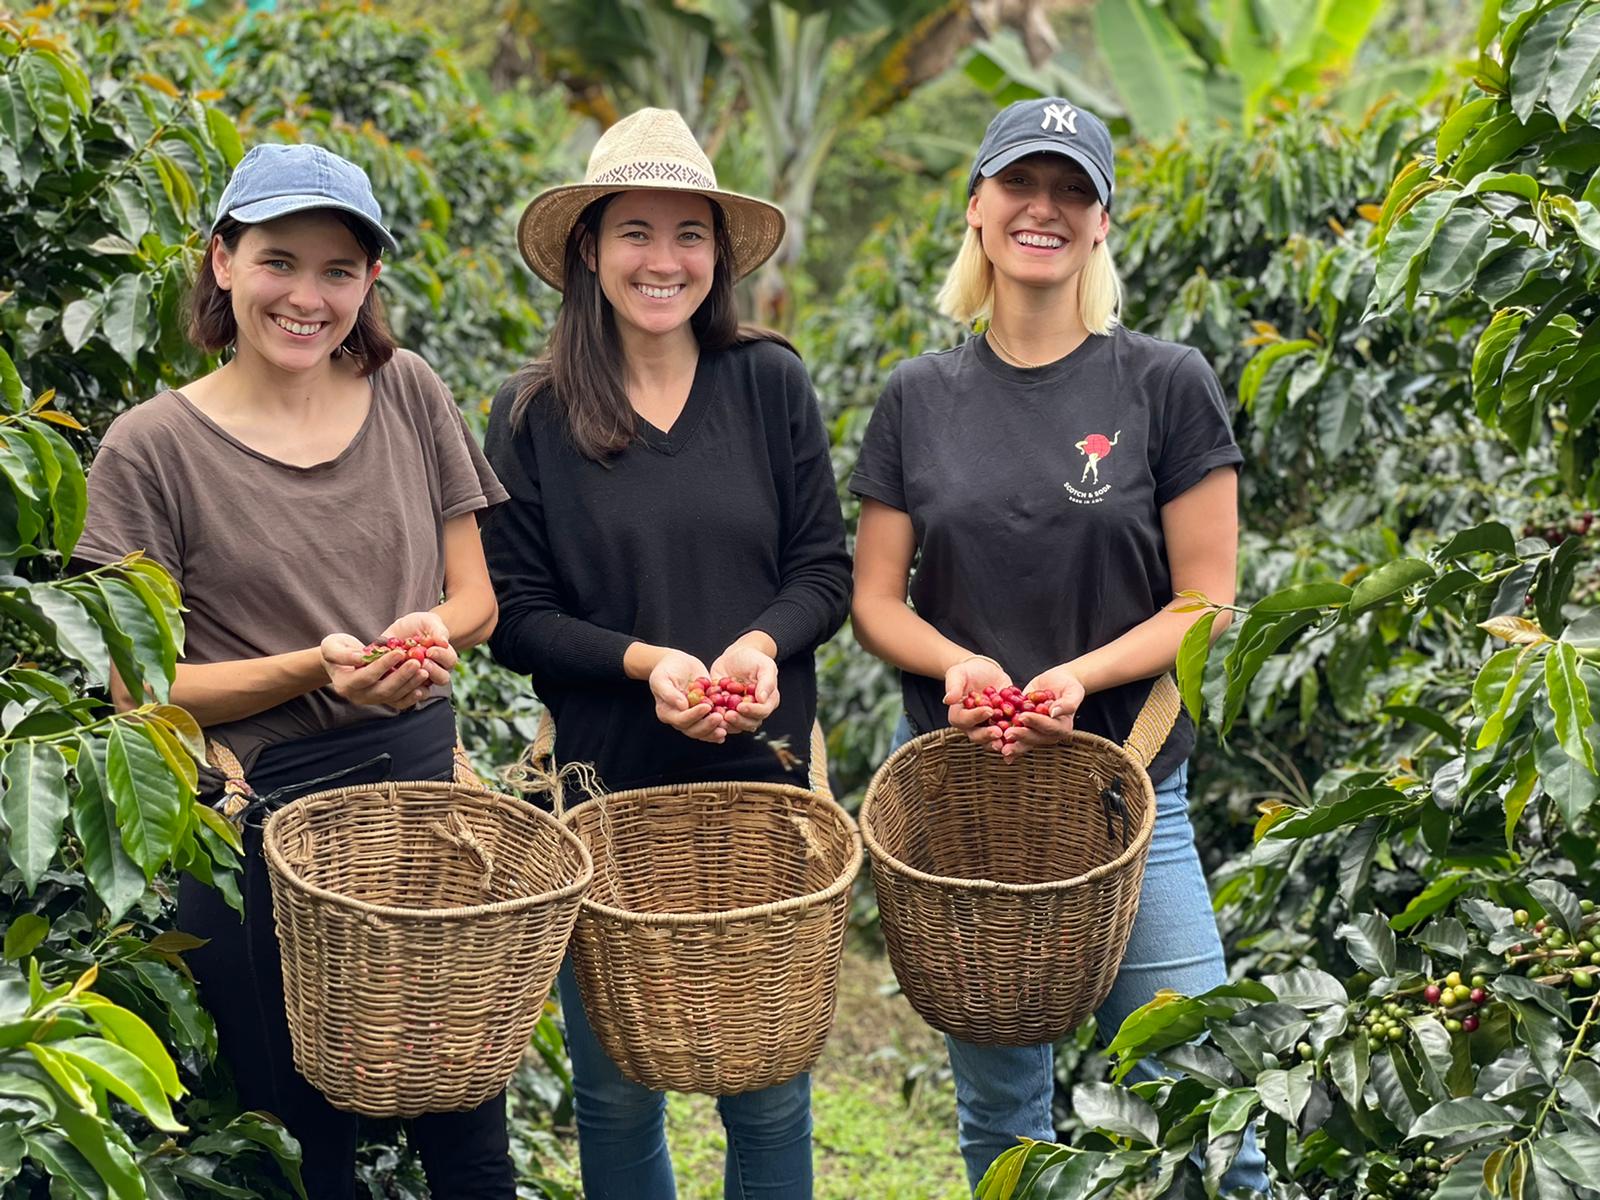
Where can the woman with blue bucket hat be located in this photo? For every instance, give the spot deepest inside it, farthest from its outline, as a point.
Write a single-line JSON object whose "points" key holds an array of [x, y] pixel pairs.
{"points": [[317, 491], [1057, 480]]}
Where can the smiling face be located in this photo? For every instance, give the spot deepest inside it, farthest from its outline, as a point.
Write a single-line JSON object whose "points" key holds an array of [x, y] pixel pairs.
{"points": [[1039, 220], [296, 286], [655, 256]]}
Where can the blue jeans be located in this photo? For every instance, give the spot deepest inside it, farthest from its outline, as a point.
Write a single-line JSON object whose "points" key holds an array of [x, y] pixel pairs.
{"points": [[622, 1139], [1004, 1092]]}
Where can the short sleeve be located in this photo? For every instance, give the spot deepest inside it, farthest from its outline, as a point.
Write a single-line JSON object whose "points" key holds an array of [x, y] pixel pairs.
{"points": [[128, 511], [880, 471], [1196, 433], [467, 482]]}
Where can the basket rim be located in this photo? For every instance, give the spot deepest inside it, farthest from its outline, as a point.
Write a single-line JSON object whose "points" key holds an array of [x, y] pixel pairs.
{"points": [[290, 876], [841, 882], [882, 857]]}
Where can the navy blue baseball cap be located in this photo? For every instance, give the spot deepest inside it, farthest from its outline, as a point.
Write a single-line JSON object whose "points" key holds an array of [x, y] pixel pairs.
{"points": [[1047, 126], [272, 181]]}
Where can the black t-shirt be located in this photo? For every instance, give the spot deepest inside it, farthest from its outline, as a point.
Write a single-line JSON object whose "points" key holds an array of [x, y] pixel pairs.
{"points": [[726, 523], [1036, 496]]}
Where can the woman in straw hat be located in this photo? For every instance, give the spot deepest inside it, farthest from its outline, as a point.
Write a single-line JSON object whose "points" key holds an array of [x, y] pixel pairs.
{"points": [[672, 517], [1061, 479]]}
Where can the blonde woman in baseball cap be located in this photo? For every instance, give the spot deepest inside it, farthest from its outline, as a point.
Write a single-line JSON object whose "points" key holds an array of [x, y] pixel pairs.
{"points": [[672, 517], [1056, 480]]}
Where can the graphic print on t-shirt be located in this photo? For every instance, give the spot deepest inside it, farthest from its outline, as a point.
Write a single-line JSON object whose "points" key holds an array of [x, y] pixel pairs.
{"points": [[1094, 448]]}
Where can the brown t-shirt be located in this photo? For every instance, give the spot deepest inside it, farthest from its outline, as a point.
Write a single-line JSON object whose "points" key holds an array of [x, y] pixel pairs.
{"points": [[271, 557]]}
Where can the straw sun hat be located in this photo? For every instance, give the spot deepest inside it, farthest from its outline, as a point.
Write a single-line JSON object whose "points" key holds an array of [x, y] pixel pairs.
{"points": [[651, 148]]}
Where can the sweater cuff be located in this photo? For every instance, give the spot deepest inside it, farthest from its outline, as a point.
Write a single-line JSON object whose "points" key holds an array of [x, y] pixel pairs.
{"points": [[788, 624]]}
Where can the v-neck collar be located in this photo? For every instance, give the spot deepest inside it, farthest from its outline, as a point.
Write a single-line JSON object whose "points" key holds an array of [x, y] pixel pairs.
{"points": [[701, 392]]}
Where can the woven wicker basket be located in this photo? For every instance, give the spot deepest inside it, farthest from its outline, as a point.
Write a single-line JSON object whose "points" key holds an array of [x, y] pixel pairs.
{"points": [[1008, 890], [708, 948], [421, 926]]}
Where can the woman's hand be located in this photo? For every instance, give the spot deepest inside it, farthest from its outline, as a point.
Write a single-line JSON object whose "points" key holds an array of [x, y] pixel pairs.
{"points": [[971, 675], [392, 680], [1037, 729], [669, 684], [756, 669], [442, 659]]}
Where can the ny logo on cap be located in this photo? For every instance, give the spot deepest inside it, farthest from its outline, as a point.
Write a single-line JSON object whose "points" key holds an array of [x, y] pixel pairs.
{"points": [[1064, 115]]}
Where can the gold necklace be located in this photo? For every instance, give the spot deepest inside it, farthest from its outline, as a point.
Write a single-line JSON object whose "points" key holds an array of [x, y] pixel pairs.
{"points": [[1016, 358]]}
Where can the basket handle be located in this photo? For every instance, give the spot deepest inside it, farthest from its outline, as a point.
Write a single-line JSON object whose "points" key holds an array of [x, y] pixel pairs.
{"points": [[458, 833], [1155, 721]]}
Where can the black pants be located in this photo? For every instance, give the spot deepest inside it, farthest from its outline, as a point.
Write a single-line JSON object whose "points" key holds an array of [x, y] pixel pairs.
{"points": [[240, 976]]}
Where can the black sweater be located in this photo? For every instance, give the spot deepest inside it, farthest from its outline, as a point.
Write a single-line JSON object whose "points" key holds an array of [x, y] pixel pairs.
{"points": [[728, 523]]}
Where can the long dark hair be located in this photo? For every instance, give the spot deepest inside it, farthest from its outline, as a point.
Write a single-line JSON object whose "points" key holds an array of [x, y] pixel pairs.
{"points": [[581, 367], [212, 325]]}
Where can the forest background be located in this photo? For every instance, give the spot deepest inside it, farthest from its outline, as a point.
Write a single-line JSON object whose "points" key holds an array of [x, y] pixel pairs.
{"points": [[1379, 222]]}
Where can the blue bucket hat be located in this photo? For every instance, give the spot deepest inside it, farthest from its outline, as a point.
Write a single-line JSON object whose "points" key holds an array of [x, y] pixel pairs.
{"points": [[272, 181], [1049, 125]]}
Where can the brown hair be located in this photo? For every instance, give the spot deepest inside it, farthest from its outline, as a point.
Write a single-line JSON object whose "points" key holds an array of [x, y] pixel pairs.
{"points": [[211, 322], [581, 367]]}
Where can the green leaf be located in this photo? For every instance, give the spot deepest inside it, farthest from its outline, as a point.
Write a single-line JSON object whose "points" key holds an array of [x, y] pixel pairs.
{"points": [[1456, 252], [24, 934], [1559, 904], [1193, 652], [1259, 637], [1568, 697], [149, 802], [1493, 537], [122, 1073], [115, 878], [1157, 74], [1305, 595], [1432, 898], [128, 1030], [34, 805], [1406, 243], [16, 118], [126, 321], [70, 1173], [126, 207], [1116, 1110], [1388, 581], [47, 97], [1306, 987], [77, 634], [1463, 1114], [1499, 721], [1572, 786], [1574, 1155], [1348, 1062], [1285, 1092], [11, 390], [1370, 941], [1461, 122], [103, 1144], [151, 642], [1576, 66], [225, 135], [1536, 55], [78, 320], [70, 497]]}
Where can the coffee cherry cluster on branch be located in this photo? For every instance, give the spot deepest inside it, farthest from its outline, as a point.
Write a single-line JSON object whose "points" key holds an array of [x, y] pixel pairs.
{"points": [[1553, 956], [1007, 704], [724, 695], [1416, 1179], [1455, 1001]]}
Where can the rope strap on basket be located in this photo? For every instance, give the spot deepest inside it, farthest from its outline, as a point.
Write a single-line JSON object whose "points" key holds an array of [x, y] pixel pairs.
{"points": [[1153, 725]]}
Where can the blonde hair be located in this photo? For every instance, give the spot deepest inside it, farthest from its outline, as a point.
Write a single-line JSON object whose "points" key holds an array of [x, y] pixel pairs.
{"points": [[968, 292]]}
